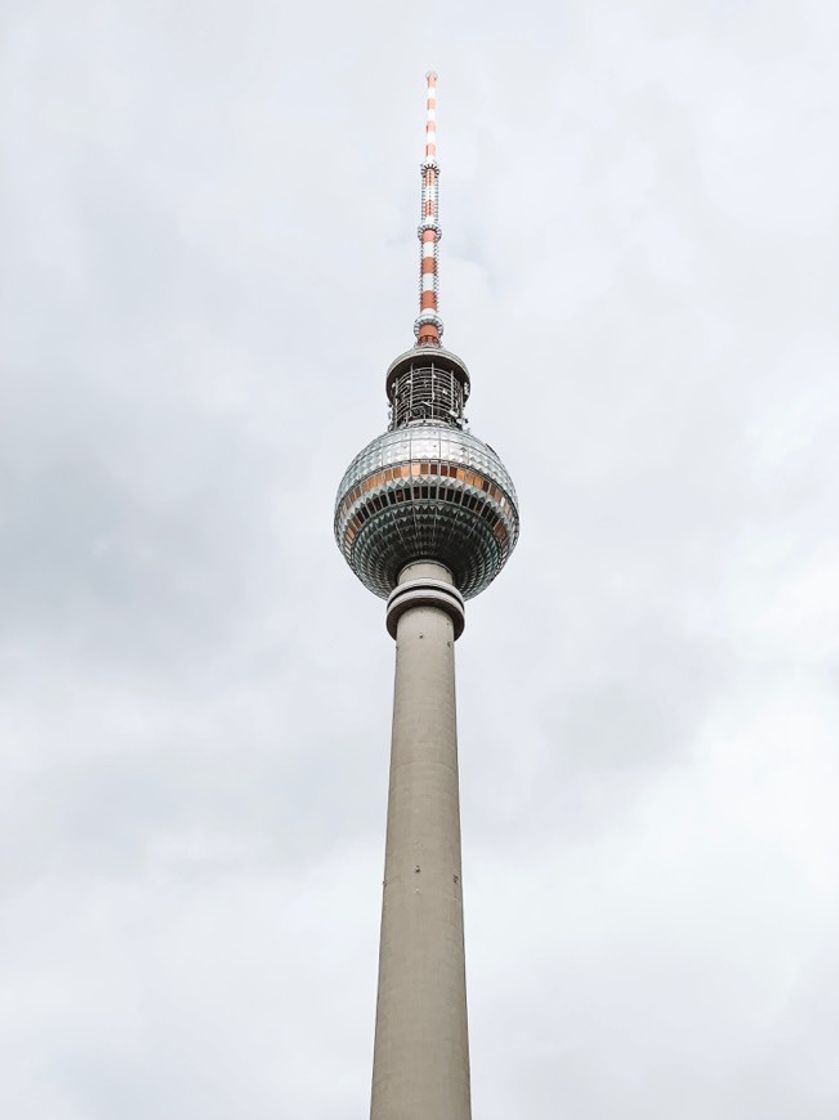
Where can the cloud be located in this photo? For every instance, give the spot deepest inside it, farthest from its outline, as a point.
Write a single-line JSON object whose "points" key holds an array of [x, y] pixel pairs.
{"points": [[209, 260]]}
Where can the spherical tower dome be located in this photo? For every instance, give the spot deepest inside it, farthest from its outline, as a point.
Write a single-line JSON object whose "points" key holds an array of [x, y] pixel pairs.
{"points": [[427, 489]]}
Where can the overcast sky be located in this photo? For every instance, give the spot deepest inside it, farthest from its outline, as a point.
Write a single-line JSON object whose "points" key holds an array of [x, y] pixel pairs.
{"points": [[209, 257]]}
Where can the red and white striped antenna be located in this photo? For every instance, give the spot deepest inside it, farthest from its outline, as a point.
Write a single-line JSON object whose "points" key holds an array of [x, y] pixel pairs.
{"points": [[429, 326]]}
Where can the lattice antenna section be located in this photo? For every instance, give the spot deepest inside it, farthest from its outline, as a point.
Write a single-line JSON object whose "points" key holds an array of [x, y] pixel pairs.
{"points": [[428, 327], [428, 386]]}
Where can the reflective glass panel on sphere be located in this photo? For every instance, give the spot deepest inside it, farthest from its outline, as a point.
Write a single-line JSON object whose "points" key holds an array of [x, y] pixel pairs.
{"points": [[426, 491]]}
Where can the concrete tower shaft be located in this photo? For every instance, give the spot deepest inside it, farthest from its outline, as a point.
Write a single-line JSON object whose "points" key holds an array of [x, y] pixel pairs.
{"points": [[421, 1054]]}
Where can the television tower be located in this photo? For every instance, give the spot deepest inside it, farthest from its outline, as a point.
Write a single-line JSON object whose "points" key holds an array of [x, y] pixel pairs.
{"points": [[426, 516]]}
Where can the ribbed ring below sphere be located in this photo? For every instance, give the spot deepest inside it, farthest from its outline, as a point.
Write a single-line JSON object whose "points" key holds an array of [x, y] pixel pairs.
{"points": [[426, 491]]}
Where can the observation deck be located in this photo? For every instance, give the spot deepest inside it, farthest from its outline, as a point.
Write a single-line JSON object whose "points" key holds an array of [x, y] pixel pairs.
{"points": [[426, 490]]}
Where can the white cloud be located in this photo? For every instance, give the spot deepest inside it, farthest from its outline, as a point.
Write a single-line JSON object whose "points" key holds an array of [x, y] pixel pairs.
{"points": [[209, 257]]}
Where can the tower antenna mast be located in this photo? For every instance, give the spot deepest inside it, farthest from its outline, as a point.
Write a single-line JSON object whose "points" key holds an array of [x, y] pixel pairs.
{"points": [[428, 327]]}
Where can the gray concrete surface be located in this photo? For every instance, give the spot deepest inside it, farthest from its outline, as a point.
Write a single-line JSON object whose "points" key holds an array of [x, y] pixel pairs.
{"points": [[421, 1055]]}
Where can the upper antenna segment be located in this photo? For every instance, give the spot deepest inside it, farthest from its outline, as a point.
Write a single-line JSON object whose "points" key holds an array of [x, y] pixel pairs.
{"points": [[429, 326]]}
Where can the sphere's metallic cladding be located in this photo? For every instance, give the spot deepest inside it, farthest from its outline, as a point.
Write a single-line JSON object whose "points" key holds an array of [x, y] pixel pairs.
{"points": [[426, 491]]}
